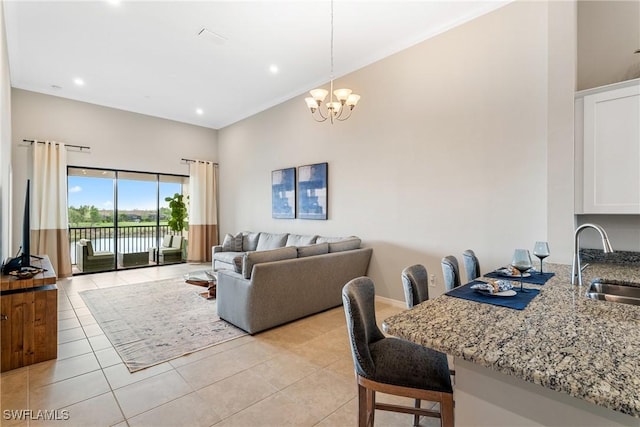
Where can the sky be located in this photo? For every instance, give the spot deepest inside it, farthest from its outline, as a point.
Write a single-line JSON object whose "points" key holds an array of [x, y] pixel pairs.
{"points": [[131, 194]]}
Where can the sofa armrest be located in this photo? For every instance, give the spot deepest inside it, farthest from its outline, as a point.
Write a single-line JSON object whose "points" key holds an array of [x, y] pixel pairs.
{"points": [[215, 249], [234, 298]]}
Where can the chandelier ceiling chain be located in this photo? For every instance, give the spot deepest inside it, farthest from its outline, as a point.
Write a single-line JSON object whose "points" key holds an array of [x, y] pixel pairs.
{"points": [[334, 110]]}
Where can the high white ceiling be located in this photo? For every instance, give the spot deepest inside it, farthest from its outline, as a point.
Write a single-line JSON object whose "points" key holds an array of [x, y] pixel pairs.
{"points": [[147, 56]]}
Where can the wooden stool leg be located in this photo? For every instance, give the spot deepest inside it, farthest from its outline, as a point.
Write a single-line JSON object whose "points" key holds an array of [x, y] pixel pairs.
{"points": [[363, 406], [446, 410], [371, 403]]}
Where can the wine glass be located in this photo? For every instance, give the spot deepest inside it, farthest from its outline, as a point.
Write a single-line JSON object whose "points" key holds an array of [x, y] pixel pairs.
{"points": [[541, 250], [522, 262]]}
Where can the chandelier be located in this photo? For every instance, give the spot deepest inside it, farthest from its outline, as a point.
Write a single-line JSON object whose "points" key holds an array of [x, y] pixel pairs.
{"points": [[338, 109]]}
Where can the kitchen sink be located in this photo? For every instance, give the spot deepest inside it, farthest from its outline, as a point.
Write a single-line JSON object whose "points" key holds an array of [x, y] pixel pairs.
{"points": [[626, 293]]}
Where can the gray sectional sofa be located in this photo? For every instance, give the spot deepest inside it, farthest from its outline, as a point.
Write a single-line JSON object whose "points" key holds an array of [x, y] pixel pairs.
{"points": [[267, 279]]}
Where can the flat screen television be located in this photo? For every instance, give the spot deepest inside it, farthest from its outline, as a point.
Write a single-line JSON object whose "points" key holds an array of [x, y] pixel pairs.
{"points": [[23, 258]]}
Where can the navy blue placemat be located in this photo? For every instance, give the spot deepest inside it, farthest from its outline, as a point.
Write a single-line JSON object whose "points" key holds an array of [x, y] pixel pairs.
{"points": [[535, 278], [518, 301]]}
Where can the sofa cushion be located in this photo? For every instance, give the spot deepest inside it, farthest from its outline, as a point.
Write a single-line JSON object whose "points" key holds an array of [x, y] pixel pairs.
{"points": [[268, 241], [166, 242], [300, 240], [227, 257], [311, 250], [232, 243], [323, 239], [344, 245], [250, 240], [339, 244], [258, 257]]}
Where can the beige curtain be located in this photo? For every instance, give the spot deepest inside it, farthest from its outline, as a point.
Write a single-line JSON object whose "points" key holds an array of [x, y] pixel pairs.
{"points": [[49, 219], [203, 211]]}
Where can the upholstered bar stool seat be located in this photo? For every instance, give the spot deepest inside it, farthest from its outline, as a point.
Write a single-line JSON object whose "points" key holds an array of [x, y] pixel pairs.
{"points": [[392, 365]]}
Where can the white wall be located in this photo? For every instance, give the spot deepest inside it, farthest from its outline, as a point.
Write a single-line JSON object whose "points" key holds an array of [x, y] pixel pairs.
{"points": [[118, 139], [447, 150], [5, 144], [608, 36]]}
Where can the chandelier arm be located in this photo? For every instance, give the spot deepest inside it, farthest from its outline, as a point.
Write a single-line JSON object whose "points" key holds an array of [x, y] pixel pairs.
{"points": [[322, 116], [342, 119]]}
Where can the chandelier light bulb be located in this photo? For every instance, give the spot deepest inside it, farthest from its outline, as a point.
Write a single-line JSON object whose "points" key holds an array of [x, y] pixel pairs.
{"points": [[312, 104], [319, 95], [334, 107], [352, 100], [342, 94]]}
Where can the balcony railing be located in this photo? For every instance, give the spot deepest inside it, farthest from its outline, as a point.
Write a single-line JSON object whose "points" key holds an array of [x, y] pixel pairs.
{"points": [[134, 238]]}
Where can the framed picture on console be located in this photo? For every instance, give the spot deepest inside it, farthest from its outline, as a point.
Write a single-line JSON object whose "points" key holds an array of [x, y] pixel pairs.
{"points": [[283, 193], [312, 191]]}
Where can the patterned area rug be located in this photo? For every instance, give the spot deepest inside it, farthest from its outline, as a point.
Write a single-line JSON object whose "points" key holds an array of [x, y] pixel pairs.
{"points": [[150, 323]]}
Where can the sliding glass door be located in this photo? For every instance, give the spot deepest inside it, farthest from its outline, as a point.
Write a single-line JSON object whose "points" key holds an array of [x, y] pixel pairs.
{"points": [[91, 218], [122, 216]]}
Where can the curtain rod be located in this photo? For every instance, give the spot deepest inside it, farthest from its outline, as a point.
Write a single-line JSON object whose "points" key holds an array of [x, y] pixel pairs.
{"points": [[80, 147], [198, 161]]}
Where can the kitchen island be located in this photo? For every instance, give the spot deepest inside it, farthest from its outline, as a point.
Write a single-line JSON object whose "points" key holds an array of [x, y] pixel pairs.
{"points": [[563, 360]]}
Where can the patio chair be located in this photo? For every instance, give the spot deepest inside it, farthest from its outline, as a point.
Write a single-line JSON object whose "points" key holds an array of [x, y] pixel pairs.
{"points": [[172, 253], [87, 260]]}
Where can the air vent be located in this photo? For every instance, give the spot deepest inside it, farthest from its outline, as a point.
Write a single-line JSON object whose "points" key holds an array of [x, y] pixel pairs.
{"points": [[213, 36]]}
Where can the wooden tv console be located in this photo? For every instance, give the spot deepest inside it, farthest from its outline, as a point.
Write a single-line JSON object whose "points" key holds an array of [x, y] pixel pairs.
{"points": [[28, 317]]}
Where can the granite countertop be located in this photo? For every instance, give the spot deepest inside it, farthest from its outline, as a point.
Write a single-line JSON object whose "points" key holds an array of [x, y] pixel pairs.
{"points": [[562, 340]]}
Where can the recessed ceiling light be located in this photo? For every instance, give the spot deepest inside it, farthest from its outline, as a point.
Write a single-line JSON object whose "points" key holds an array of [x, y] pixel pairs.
{"points": [[114, 2], [274, 69], [199, 111], [78, 81]]}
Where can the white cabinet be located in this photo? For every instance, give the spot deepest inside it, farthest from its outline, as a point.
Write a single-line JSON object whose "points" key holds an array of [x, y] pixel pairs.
{"points": [[608, 149]]}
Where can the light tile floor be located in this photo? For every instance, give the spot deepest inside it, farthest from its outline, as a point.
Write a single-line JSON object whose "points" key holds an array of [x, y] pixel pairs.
{"points": [[299, 374]]}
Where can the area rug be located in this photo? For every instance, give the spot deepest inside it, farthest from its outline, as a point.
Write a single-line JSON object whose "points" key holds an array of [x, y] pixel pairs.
{"points": [[150, 323]]}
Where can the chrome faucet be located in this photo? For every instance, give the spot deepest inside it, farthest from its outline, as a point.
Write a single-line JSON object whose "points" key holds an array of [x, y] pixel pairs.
{"points": [[576, 269]]}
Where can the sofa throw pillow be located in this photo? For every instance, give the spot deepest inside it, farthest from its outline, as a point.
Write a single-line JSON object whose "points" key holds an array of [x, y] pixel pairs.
{"points": [[250, 240], [232, 243], [300, 240], [166, 242], [252, 258], [268, 241], [322, 239], [344, 245], [311, 250]]}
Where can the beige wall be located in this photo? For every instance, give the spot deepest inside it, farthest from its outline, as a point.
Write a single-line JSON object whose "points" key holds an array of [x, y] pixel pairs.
{"points": [[446, 151], [560, 152], [118, 139], [5, 144], [608, 34]]}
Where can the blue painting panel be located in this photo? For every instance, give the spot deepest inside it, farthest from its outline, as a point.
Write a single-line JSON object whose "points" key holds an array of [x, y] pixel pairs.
{"points": [[312, 191]]}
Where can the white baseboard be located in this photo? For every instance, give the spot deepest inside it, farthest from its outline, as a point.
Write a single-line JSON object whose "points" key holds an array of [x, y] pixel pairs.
{"points": [[393, 302]]}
